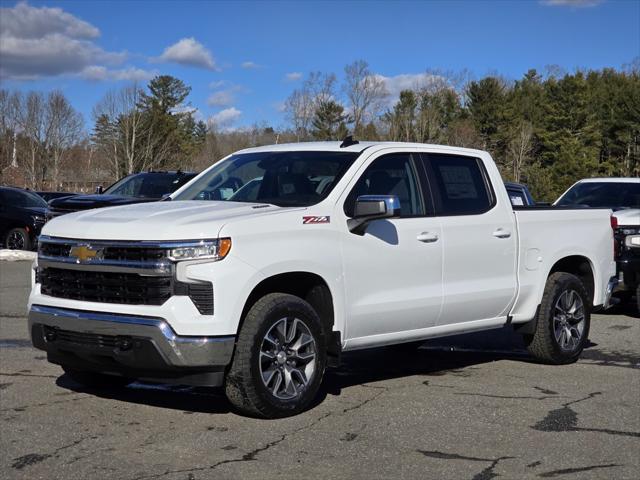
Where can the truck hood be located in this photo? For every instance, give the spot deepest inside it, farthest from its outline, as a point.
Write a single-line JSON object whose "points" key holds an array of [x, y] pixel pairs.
{"points": [[85, 202], [629, 217], [172, 220]]}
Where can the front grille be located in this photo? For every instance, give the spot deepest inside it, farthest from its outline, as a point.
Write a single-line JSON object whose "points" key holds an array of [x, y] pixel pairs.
{"points": [[79, 338], [55, 249], [117, 253], [139, 254], [105, 287]]}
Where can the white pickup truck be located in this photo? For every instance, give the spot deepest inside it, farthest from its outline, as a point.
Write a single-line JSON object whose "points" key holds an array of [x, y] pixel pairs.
{"points": [[259, 272]]}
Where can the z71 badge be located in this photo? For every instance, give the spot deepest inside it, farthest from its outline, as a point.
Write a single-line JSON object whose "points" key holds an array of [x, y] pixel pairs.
{"points": [[314, 220]]}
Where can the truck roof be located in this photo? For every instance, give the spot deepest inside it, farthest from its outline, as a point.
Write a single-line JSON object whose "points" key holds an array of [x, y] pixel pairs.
{"points": [[610, 180], [358, 147]]}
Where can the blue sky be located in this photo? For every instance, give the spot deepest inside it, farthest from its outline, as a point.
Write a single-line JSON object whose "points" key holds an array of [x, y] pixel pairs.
{"points": [[242, 59]]}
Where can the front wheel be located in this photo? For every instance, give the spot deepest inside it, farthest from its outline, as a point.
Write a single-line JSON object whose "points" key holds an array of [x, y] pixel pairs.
{"points": [[17, 239], [563, 321], [279, 359]]}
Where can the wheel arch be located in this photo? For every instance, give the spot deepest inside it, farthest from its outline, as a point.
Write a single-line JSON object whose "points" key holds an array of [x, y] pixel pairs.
{"points": [[308, 286], [581, 267]]}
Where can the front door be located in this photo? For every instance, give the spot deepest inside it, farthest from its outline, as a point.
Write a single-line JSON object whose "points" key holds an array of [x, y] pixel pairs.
{"points": [[393, 273]]}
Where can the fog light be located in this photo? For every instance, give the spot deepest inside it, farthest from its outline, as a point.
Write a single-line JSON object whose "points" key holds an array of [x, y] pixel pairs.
{"points": [[124, 344], [50, 336]]}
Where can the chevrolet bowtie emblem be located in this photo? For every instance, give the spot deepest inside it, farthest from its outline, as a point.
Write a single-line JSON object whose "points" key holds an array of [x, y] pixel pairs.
{"points": [[82, 253]]}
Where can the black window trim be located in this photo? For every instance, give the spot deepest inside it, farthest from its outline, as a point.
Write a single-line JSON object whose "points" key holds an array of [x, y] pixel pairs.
{"points": [[426, 161], [423, 189]]}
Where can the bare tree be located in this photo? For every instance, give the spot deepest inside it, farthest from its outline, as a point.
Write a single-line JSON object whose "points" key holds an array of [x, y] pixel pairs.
{"points": [[64, 126], [301, 105], [9, 107], [365, 91], [32, 120], [298, 109], [131, 125], [520, 148]]}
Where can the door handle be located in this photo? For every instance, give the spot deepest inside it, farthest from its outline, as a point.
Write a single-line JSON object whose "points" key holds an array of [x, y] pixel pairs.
{"points": [[427, 237], [502, 233]]}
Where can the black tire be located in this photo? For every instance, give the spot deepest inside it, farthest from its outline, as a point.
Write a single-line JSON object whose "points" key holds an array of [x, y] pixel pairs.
{"points": [[638, 298], [543, 344], [244, 386], [96, 380], [17, 239]]}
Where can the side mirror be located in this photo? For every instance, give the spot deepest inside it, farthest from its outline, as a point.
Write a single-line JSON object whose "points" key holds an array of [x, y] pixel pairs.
{"points": [[99, 189], [372, 207]]}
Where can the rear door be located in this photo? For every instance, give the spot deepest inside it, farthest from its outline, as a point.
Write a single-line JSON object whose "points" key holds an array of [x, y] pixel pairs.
{"points": [[393, 280], [478, 240]]}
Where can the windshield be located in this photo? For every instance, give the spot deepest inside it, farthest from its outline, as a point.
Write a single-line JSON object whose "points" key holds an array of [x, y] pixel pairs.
{"points": [[149, 185], [286, 179], [603, 195]]}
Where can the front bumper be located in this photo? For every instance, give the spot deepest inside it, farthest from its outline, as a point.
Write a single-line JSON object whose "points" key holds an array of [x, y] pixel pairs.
{"points": [[140, 347]]}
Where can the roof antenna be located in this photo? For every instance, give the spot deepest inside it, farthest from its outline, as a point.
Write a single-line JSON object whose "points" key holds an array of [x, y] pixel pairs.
{"points": [[348, 141]]}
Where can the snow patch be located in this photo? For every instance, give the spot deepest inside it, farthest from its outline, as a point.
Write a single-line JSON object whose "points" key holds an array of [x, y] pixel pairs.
{"points": [[17, 255]]}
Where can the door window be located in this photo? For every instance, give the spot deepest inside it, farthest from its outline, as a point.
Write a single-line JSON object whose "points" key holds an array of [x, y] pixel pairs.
{"points": [[393, 174]]}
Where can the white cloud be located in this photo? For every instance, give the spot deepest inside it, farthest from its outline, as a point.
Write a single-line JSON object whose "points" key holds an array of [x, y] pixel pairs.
{"points": [[98, 73], [188, 51], [226, 96], [406, 81], [249, 65], [222, 98], [36, 42], [225, 118], [25, 21], [293, 76], [571, 3]]}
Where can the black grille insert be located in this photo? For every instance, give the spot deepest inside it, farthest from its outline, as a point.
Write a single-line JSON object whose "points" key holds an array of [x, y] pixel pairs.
{"points": [[80, 338], [106, 287]]}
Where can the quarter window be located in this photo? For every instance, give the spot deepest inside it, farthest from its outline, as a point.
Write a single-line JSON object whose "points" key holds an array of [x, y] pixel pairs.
{"points": [[459, 185], [393, 174]]}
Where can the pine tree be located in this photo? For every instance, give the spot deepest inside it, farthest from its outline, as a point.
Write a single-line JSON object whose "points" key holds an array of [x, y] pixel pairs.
{"points": [[329, 121]]}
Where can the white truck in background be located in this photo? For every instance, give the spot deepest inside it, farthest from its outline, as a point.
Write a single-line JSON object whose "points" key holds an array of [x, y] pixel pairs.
{"points": [[259, 272]]}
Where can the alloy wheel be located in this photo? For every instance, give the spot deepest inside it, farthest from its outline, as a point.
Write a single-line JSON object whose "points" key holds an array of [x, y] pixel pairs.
{"points": [[568, 320], [287, 358], [15, 241]]}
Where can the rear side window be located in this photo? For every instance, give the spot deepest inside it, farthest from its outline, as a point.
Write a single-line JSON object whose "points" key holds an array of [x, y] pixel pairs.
{"points": [[459, 185]]}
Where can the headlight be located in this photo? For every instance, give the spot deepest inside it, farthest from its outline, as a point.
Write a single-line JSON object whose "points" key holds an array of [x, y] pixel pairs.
{"points": [[206, 249], [633, 241]]}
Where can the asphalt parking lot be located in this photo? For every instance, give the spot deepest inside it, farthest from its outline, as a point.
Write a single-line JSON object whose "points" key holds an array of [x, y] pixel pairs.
{"points": [[469, 407]]}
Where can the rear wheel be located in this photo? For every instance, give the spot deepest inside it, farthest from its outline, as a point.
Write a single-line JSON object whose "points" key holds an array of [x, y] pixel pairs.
{"points": [[96, 380], [279, 360], [17, 239], [563, 321]]}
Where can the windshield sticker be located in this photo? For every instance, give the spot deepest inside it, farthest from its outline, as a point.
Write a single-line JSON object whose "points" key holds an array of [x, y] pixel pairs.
{"points": [[315, 220]]}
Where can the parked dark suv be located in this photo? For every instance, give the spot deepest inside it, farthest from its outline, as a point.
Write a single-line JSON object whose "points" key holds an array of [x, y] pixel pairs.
{"points": [[135, 188], [22, 215]]}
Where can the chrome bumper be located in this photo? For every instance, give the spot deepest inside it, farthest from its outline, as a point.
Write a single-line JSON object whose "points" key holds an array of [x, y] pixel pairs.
{"points": [[611, 286], [174, 350]]}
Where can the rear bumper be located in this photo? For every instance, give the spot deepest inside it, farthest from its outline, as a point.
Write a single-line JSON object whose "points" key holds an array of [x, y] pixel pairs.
{"points": [[140, 347], [611, 286], [628, 271]]}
